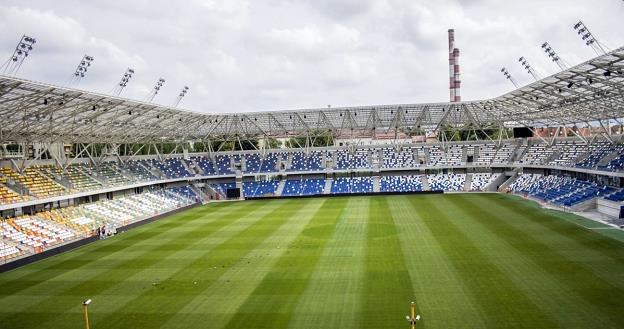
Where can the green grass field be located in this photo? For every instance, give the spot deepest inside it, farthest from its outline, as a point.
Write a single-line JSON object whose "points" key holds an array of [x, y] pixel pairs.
{"points": [[467, 260]]}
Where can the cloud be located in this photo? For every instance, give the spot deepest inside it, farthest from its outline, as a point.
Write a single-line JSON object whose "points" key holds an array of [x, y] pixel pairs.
{"points": [[64, 39], [240, 55]]}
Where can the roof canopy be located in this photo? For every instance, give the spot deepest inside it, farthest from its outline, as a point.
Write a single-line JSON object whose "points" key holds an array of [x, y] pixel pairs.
{"points": [[37, 112]]}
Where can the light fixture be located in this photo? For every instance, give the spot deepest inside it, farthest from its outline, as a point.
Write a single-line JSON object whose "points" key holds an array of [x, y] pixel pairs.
{"points": [[22, 50], [180, 96], [159, 83], [123, 82], [582, 30], [81, 69]]}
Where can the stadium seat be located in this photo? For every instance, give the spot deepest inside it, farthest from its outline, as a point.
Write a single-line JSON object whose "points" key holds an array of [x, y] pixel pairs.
{"points": [[403, 183]]}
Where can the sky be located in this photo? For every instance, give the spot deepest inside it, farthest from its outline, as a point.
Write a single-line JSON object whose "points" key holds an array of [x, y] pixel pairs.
{"points": [[241, 56]]}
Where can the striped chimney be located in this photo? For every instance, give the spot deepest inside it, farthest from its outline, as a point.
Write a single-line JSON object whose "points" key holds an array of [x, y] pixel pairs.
{"points": [[454, 82]]}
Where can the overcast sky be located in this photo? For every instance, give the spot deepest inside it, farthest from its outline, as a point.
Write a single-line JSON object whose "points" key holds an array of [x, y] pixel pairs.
{"points": [[238, 55]]}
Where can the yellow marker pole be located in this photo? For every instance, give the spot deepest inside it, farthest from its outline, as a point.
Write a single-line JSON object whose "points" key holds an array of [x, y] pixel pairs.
{"points": [[85, 308], [413, 315]]}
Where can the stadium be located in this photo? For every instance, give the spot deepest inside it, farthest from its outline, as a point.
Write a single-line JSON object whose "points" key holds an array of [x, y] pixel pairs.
{"points": [[505, 212]]}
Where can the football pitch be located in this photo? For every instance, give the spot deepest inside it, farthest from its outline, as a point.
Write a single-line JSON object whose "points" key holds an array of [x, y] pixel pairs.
{"points": [[466, 260]]}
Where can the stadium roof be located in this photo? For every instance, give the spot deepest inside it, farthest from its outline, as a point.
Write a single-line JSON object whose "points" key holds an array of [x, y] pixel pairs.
{"points": [[30, 111]]}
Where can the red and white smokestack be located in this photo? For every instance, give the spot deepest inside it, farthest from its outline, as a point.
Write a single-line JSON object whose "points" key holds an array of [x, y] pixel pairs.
{"points": [[454, 82]]}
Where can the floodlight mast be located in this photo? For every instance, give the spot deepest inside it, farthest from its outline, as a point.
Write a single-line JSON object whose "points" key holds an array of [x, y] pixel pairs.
{"points": [[529, 69], [582, 30], [81, 69], [509, 77], [154, 92], [550, 52], [180, 96], [123, 82], [22, 50]]}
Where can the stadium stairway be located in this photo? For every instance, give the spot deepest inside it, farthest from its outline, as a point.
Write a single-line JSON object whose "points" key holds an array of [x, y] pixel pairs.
{"points": [[192, 166], [328, 185], [200, 193], [374, 159], [376, 184], [475, 154], [147, 168], [280, 188], [468, 182], [498, 181], [101, 180], [425, 183], [585, 205], [243, 164], [233, 162], [507, 182], [15, 185], [555, 155], [43, 174], [186, 166], [60, 180], [153, 170], [210, 192], [605, 160], [427, 160], [518, 153], [123, 173], [584, 156]]}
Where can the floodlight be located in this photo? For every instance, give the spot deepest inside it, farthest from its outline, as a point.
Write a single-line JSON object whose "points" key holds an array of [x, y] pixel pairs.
{"points": [[156, 89], [589, 38], [81, 69], [22, 49]]}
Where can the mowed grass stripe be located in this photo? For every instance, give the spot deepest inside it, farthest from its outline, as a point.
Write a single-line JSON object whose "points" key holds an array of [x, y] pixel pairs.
{"points": [[598, 293], [443, 300], [57, 297], [559, 227], [333, 296], [57, 265], [93, 265], [218, 303], [180, 255], [493, 263], [272, 303], [601, 254], [49, 268], [177, 286], [482, 225], [479, 272], [564, 229], [387, 287], [66, 267]]}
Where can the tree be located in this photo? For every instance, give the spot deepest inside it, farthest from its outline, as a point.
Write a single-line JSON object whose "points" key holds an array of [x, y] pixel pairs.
{"points": [[471, 132], [272, 143], [317, 138]]}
